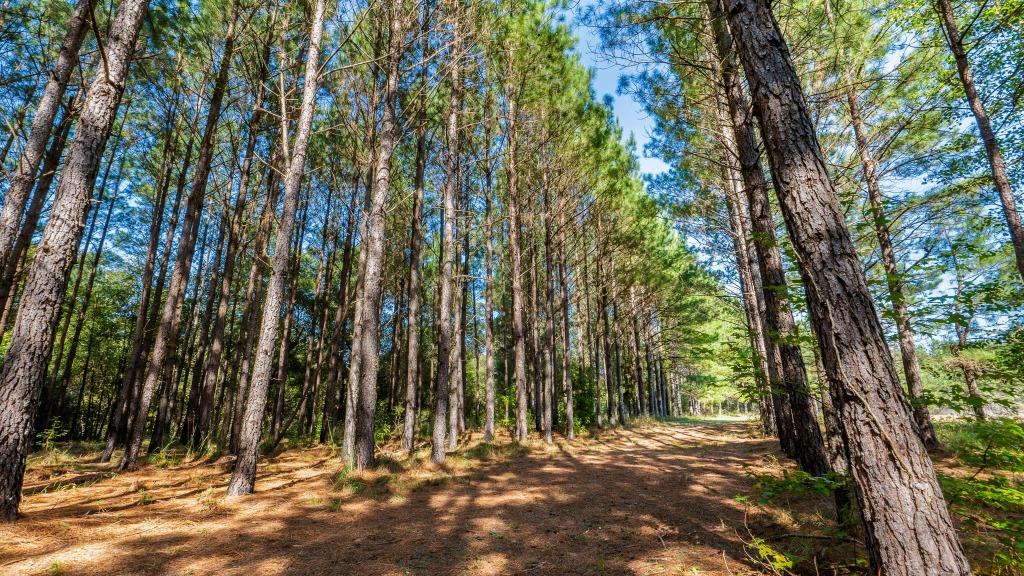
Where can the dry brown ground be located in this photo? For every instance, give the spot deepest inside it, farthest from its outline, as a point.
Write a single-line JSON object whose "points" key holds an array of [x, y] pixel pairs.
{"points": [[655, 499]]}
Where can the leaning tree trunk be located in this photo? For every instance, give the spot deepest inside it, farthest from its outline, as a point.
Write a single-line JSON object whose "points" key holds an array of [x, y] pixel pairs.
{"points": [[31, 343], [894, 279], [988, 136], [19, 252], [795, 418], [243, 476], [907, 525], [42, 124], [563, 282], [172, 309]]}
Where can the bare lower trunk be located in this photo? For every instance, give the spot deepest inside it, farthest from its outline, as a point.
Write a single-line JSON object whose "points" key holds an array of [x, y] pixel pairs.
{"points": [[10, 275], [446, 276], [172, 309], [907, 525], [563, 282], [798, 426], [368, 329], [31, 343], [516, 271], [415, 239], [489, 391], [243, 476]]}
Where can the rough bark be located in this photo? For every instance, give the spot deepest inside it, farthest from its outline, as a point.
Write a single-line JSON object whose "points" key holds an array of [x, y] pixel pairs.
{"points": [[412, 347], [122, 405], [893, 278], [243, 476], [516, 271], [19, 252], [907, 526], [489, 348], [32, 340], [367, 330], [24, 174], [795, 420], [446, 276], [563, 282]]}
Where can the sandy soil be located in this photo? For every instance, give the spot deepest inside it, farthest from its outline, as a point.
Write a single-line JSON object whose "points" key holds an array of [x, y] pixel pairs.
{"points": [[656, 499]]}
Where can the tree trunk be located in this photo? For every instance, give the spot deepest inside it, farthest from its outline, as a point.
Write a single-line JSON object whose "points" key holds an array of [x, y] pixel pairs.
{"points": [[368, 329], [171, 313], [563, 282], [446, 280], [489, 348], [548, 389], [907, 525], [516, 270], [798, 428], [894, 279], [24, 174], [118, 417], [988, 136], [28, 354], [243, 476], [19, 252]]}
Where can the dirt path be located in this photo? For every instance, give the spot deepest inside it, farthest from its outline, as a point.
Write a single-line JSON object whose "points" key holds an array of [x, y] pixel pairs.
{"points": [[657, 499]]}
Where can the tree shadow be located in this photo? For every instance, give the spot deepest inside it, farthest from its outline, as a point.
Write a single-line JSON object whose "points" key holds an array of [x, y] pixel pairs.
{"points": [[644, 501]]}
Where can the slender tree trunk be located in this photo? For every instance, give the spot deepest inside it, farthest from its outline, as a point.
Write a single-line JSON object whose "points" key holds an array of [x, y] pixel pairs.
{"points": [[548, 389], [86, 299], [894, 279], [332, 402], [563, 282], [489, 351], [907, 525], [172, 309], [988, 136], [795, 421], [243, 476], [446, 280], [19, 252], [536, 352], [415, 240], [203, 430], [116, 427], [31, 343], [24, 174], [368, 329], [516, 270]]}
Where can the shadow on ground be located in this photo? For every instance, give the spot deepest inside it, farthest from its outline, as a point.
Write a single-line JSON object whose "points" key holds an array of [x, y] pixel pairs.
{"points": [[652, 500]]}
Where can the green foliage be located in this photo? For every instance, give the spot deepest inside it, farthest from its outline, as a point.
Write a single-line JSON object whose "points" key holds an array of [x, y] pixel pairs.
{"points": [[771, 558], [997, 492], [996, 444], [797, 483], [56, 431]]}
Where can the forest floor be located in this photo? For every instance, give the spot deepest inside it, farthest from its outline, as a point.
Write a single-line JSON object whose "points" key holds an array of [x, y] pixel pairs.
{"points": [[655, 499]]}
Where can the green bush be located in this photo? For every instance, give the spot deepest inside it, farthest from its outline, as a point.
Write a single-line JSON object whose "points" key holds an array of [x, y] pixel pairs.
{"points": [[996, 444]]}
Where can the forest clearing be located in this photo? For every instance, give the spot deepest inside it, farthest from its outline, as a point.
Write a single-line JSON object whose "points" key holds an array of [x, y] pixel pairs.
{"points": [[700, 497]]}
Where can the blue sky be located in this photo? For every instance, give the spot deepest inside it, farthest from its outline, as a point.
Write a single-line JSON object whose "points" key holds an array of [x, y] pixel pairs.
{"points": [[631, 115]]}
